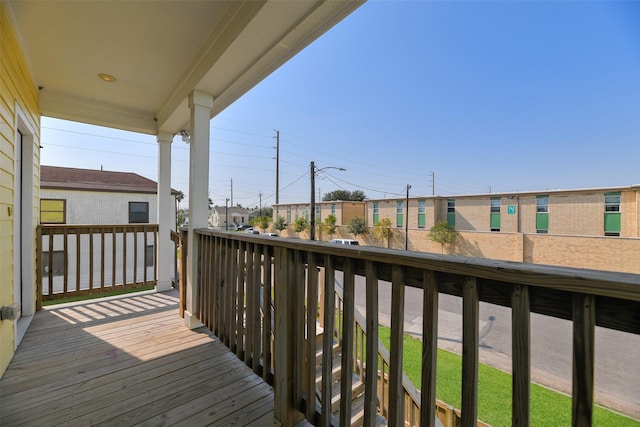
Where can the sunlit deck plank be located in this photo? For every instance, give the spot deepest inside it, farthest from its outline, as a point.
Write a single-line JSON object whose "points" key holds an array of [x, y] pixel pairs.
{"points": [[128, 361]]}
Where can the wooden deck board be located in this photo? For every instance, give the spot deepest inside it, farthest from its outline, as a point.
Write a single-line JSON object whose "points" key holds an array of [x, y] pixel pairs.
{"points": [[128, 361]]}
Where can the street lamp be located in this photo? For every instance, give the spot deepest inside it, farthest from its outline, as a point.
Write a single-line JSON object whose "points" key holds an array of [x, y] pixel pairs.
{"points": [[313, 172]]}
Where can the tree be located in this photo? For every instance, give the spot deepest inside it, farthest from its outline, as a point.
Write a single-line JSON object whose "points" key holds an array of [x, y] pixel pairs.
{"points": [[357, 226], [443, 233], [262, 222], [329, 225], [280, 224], [300, 224], [344, 195], [382, 230]]}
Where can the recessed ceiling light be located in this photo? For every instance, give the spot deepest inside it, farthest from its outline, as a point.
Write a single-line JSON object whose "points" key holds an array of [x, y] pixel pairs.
{"points": [[107, 78]]}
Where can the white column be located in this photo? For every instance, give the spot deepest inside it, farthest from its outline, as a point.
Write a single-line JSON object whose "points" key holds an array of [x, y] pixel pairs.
{"points": [[165, 213], [200, 105]]}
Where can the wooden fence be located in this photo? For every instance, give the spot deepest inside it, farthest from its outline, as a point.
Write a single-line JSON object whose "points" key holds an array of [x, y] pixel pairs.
{"points": [[234, 270], [77, 260]]}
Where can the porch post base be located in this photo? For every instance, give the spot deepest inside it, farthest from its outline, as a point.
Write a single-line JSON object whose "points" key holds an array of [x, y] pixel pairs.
{"points": [[164, 285], [192, 321]]}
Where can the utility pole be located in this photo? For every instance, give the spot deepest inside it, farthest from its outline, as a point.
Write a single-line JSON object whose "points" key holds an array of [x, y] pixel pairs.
{"points": [[406, 222], [433, 183], [226, 214], [260, 194], [277, 167], [313, 171], [231, 192], [312, 214]]}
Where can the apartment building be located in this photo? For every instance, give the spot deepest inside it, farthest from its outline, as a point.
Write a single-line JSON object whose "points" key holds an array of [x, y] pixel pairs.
{"points": [[597, 228]]}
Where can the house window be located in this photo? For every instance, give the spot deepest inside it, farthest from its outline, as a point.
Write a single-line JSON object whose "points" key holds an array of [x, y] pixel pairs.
{"points": [[288, 214], [542, 214], [495, 214], [138, 212], [376, 213], [57, 265], [318, 218], [422, 213], [333, 208], [149, 254], [53, 211], [612, 214], [296, 213], [399, 210], [451, 212]]}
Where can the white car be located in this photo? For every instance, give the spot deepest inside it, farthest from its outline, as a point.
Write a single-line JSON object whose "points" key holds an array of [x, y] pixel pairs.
{"points": [[270, 234], [250, 230], [345, 241]]}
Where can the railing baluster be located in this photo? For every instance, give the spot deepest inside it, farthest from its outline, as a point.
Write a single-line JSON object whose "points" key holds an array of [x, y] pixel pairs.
{"points": [[135, 257], [584, 320], [241, 301], [66, 263], [312, 312], [346, 379], [230, 288], [233, 313], [113, 256], [327, 339], [39, 271], [429, 349], [248, 322], [266, 310], [155, 255], [521, 345], [77, 261], [470, 340], [371, 373], [91, 258], [257, 336], [51, 237], [299, 329], [284, 334], [396, 400], [144, 258], [124, 256], [102, 257]]}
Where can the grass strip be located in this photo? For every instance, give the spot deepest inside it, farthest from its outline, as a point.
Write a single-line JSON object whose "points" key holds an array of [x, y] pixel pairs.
{"points": [[548, 408]]}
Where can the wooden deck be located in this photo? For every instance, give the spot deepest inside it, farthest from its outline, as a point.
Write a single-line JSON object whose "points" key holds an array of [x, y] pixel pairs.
{"points": [[128, 361]]}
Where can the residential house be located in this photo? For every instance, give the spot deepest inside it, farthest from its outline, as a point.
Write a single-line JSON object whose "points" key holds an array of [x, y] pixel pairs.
{"points": [[100, 198], [219, 215]]}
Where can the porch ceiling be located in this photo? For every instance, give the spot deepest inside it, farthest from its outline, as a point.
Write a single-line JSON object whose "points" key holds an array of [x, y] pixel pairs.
{"points": [[159, 51]]}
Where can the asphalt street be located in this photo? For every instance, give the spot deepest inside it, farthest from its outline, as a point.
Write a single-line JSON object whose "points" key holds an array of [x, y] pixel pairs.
{"points": [[617, 359]]}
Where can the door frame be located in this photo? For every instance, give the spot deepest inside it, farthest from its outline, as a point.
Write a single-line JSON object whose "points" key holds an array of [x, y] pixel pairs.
{"points": [[24, 244]]}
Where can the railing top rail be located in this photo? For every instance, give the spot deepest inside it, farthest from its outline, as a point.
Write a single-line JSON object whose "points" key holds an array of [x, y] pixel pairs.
{"points": [[624, 286], [86, 228]]}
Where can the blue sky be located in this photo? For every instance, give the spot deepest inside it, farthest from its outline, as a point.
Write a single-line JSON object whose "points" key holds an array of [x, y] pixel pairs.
{"points": [[490, 96]]}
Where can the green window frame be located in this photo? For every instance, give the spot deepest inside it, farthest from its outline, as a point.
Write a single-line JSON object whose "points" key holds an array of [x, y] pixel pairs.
{"points": [[495, 214], [451, 212], [399, 213], [288, 214], [542, 214], [422, 213], [376, 212], [612, 216], [53, 211]]}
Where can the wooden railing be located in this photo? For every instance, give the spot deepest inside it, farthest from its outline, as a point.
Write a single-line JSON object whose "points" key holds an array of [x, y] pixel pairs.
{"points": [[235, 269], [77, 260]]}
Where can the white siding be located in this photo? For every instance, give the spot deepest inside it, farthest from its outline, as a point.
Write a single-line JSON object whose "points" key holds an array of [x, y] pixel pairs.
{"points": [[93, 207]]}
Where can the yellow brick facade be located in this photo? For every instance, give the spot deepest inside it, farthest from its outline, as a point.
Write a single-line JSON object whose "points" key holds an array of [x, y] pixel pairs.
{"points": [[18, 111]]}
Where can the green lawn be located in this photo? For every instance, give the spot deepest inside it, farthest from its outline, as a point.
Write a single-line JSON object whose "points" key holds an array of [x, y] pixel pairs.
{"points": [[548, 408]]}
